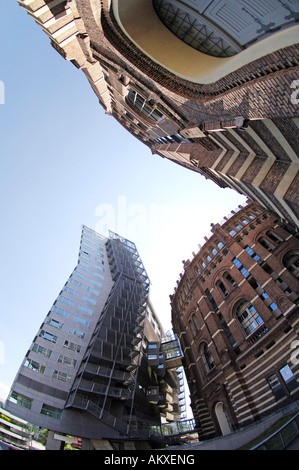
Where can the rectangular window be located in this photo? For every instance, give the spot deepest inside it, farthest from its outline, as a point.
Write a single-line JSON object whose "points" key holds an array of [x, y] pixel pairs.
{"points": [[86, 310], [77, 333], [241, 268], [35, 366], [48, 336], [72, 346], [288, 377], [81, 321], [89, 300], [71, 291], [21, 400], [65, 300], [100, 268], [68, 361], [276, 387], [253, 254], [61, 376], [98, 275], [60, 311], [81, 275], [55, 323], [93, 291], [152, 356], [51, 411], [96, 283], [76, 283], [40, 350]]}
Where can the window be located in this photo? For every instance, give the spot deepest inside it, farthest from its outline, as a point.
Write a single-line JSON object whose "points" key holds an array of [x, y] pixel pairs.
{"points": [[230, 280], [252, 253], [81, 275], [206, 357], [273, 236], [220, 245], [86, 310], [211, 299], [208, 257], [146, 108], [232, 232], [99, 275], [195, 321], [60, 311], [20, 400], [67, 360], [276, 386], [51, 411], [33, 365], [239, 227], [93, 291], [54, 323], [291, 262], [214, 251], [223, 290], [152, 356], [266, 244], [288, 377], [81, 321], [75, 332], [192, 327], [228, 333], [65, 300], [76, 283], [240, 267], [72, 346], [71, 291], [88, 299], [61, 376], [40, 350], [247, 316], [152, 346], [48, 336]]}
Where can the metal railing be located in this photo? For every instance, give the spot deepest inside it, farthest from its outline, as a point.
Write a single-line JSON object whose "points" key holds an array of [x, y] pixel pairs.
{"points": [[281, 438]]}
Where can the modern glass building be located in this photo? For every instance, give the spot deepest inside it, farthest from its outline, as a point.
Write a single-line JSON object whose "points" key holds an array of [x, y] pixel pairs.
{"points": [[89, 371]]}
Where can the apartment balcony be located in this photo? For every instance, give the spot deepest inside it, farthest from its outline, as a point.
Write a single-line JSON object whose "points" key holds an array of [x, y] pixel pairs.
{"points": [[93, 370], [103, 389], [171, 348]]}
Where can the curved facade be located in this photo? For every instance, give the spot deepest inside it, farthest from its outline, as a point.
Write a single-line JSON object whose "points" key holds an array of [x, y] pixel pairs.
{"points": [[90, 371], [159, 69], [235, 310]]}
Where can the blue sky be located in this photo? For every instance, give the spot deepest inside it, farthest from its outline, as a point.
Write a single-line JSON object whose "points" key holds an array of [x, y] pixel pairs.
{"points": [[65, 163]]}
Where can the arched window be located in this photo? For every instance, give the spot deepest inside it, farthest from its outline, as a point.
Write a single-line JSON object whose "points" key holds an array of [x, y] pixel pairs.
{"points": [[291, 262], [220, 245], [232, 232], [223, 290], [273, 236], [206, 357], [247, 316], [266, 244], [230, 280]]}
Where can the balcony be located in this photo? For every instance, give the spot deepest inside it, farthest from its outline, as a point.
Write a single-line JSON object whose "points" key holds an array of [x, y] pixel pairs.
{"points": [[171, 348]]}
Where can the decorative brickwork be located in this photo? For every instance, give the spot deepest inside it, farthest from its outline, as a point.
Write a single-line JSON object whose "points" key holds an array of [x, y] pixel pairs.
{"points": [[235, 310]]}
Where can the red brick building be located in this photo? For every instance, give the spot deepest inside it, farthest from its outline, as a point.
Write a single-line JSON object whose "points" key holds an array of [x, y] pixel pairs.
{"points": [[211, 85], [235, 310]]}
